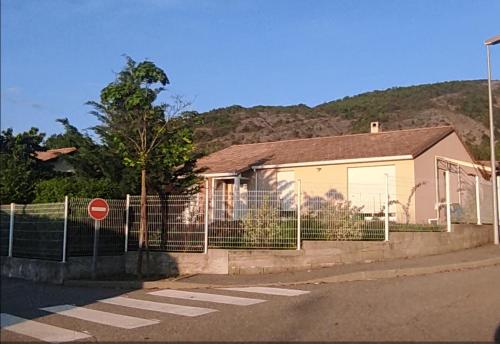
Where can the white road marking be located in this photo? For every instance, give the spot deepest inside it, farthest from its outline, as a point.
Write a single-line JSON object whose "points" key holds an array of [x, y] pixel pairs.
{"points": [[158, 306], [100, 317], [270, 291], [98, 208], [188, 295], [38, 330]]}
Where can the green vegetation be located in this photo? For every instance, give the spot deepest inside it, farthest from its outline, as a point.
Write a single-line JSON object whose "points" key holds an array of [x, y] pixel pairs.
{"points": [[20, 169], [395, 108], [265, 225], [149, 136]]}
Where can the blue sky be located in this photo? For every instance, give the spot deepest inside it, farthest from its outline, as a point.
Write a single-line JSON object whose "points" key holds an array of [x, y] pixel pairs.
{"points": [[56, 55]]}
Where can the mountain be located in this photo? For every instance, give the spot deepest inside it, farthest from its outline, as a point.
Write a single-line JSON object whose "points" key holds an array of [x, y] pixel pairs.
{"points": [[463, 104]]}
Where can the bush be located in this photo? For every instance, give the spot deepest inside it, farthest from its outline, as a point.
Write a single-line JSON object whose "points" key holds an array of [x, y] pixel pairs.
{"points": [[338, 220], [264, 227], [54, 190]]}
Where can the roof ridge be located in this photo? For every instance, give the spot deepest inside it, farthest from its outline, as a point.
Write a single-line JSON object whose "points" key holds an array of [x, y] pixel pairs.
{"points": [[331, 136]]}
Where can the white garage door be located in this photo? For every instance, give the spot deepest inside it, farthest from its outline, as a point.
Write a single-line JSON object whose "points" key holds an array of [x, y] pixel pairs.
{"points": [[367, 187]]}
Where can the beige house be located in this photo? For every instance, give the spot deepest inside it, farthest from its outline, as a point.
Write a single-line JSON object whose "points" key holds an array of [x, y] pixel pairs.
{"points": [[408, 165]]}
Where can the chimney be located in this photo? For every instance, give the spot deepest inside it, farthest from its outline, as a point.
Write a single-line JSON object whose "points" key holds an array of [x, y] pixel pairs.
{"points": [[374, 127]]}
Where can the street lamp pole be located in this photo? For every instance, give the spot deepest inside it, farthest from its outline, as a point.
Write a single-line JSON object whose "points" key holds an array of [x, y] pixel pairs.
{"points": [[492, 41]]}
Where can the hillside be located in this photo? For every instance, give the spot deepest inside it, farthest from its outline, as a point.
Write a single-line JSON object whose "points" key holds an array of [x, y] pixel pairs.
{"points": [[463, 104]]}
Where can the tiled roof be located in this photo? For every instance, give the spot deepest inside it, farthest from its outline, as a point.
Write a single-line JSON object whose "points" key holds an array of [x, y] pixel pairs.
{"points": [[54, 153], [239, 158]]}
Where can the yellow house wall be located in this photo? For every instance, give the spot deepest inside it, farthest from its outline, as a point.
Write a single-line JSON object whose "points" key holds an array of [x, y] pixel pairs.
{"points": [[319, 180]]}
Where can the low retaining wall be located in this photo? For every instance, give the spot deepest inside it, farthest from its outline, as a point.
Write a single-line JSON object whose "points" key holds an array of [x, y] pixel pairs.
{"points": [[314, 254], [56, 272], [317, 254], [174, 263]]}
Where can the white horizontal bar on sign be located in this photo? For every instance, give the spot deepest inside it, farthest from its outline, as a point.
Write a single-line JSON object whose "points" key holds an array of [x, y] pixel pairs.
{"points": [[98, 208], [38, 330], [188, 295], [161, 307], [270, 291], [100, 317]]}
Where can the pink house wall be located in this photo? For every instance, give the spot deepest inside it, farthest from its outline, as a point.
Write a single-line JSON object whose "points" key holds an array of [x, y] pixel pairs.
{"points": [[425, 171]]}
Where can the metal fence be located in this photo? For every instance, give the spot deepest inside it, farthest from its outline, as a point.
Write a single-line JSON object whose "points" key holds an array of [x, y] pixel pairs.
{"points": [[81, 229], [335, 218], [238, 219], [4, 229], [39, 230], [175, 223], [253, 219]]}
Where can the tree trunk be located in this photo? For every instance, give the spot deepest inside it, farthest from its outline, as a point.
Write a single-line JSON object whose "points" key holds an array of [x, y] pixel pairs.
{"points": [[143, 223]]}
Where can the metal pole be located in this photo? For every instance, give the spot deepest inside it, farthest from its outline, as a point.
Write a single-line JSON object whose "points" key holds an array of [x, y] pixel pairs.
{"points": [[205, 241], [11, 228], [65, 230], [448, 201], [127, 216], [478, 202], [96, 247], [492, 153], [386, 225], [299, 206]]}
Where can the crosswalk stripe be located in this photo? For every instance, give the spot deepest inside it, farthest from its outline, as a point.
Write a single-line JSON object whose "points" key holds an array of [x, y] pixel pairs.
{"points": [[188, 295], [38, 330], [158, 306], [269, 291], [105, 318]]}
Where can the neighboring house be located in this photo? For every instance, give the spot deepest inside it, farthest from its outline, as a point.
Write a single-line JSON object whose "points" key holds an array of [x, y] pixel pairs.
{"points": [[357, 168], [54, 157]]}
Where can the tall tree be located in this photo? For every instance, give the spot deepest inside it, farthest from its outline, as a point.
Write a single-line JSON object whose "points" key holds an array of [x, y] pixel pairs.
{"points": [[20, 169], [147, 133]]}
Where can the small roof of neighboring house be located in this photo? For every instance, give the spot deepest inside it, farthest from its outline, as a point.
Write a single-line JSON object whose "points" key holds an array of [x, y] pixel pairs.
{"points": [[54, 153], [239, 158]]}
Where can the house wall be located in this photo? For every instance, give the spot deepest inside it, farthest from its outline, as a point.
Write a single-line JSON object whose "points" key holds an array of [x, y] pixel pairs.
{"points": [[425, 171], [319, 181]]}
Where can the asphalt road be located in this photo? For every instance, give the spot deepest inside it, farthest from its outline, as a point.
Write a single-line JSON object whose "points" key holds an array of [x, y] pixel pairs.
{"points": [[454, 306]]}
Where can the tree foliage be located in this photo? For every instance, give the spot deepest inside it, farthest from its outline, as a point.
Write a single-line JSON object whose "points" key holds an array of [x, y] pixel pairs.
{"points": [[20, 170], [152, 137]]}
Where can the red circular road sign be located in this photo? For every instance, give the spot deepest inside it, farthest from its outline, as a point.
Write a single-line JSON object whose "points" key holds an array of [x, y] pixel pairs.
{"points": [[98, 209]]}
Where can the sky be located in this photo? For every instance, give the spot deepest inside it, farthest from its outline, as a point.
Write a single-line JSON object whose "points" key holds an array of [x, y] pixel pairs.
{"points": [[58, 54]]}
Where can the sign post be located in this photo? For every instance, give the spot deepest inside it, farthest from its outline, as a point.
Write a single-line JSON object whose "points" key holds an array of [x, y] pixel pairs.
{"points": [[98, 210]]}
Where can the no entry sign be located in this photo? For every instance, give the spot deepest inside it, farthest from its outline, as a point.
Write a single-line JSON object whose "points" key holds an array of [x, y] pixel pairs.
{"points": [[98, 209]]}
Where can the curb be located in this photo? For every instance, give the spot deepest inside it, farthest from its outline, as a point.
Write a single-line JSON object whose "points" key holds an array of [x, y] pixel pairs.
{"points": [[405, 272], [349, 277]]}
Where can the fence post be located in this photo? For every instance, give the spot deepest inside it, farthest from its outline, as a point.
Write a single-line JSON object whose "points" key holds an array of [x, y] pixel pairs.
{"points": [[386, 224], [11, 228], [448, 201], [127, 216], [205, 241], [299, 206], [478, 202], [65, 230]]}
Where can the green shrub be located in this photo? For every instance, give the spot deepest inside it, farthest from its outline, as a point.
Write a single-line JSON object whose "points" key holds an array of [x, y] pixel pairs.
{"points": [[54, 190], [265, 227]]}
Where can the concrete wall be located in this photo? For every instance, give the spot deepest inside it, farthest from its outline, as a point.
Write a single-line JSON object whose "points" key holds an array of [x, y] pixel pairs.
{"points": [[315, 254], [174, 263], [56, 272]]}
